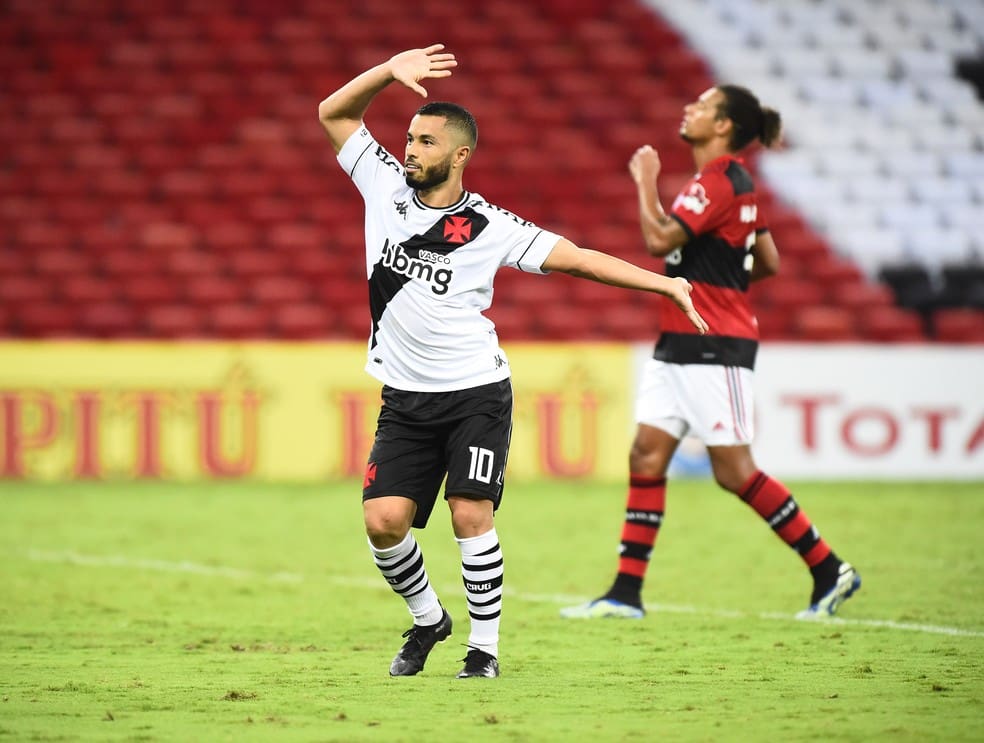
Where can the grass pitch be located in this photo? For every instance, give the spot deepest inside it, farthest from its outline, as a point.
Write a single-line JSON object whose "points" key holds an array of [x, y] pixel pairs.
{"points": [[253, 612]]}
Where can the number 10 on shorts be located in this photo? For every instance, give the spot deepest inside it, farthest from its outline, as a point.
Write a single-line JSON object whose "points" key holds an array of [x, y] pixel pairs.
{"points": [[480, 467]]}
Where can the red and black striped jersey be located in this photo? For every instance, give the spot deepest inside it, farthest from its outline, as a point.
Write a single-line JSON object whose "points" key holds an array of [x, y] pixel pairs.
{"points": [[717, 208]]}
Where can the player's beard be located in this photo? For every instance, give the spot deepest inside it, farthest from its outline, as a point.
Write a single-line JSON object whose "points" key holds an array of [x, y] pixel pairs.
{"points": [[428, 178]]}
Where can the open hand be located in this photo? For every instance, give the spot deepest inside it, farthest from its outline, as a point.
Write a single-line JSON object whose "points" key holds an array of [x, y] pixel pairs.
{"points": [[679, 292], [414, 65]]}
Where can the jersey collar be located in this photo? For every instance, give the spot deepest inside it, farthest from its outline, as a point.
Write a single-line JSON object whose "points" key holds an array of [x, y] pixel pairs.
{"points": [[455, 206]]}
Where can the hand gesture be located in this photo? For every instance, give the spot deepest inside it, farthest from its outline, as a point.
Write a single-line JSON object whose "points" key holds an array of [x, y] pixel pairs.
{"points": [[414, 65], [645, 165], [679, 292]]}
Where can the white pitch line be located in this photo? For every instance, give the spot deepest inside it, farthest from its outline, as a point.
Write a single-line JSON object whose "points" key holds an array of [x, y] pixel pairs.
{"points": [[163, 566], [221, 571]]}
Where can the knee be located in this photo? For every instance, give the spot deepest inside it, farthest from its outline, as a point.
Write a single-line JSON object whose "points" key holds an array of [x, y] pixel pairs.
{"points": [[384, 527], [470, 518], [727, 481], [733, 479], [644, 460]]}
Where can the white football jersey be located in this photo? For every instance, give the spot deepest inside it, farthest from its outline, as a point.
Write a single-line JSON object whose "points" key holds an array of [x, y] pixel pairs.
{"points": [[430, 275]]}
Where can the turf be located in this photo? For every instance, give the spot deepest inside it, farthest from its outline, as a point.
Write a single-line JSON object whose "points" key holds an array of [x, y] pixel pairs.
{"points": [[253, 612]]}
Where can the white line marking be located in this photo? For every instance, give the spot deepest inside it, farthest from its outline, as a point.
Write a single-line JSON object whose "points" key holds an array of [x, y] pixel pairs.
{"points": [[221, 571], [164, 566]]}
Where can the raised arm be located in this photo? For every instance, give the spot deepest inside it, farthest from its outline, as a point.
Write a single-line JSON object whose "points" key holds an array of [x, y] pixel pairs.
{"points": [[341, 113], [567, 257], [662, 233]]}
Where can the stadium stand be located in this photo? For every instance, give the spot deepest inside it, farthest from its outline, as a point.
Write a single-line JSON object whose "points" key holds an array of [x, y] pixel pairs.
{"points": [[885, 149], [164, 174]]}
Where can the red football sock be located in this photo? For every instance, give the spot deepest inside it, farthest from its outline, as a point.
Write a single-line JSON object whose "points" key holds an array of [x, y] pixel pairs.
{"points": [[774, 503], [643, 517]]}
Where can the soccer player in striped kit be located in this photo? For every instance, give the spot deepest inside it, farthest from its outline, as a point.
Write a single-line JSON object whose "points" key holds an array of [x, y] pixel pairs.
{"points": [[716, 237], [432, 251]]}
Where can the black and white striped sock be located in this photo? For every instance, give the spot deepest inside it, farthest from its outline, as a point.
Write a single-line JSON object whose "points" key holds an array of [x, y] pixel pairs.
{"points": [[481, 572], [403, 568]]}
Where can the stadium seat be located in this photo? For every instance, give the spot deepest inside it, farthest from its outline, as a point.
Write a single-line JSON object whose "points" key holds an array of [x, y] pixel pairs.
{"points": [[46, 320], [109, 320], [891, 324], [142, 291], [825, 324], [958, 325], [963, 285], [239, 321], [88, 289], [274, 290], [24, 289], [175, 321], [774, 325], [303, 321], [208, 290], [139, 175], [912, 284], [861, 296]]}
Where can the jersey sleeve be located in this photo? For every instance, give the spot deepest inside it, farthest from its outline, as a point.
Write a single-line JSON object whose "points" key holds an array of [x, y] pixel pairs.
{"points": [[529, 248], [368, 163], [761, 221], [703, 204]]}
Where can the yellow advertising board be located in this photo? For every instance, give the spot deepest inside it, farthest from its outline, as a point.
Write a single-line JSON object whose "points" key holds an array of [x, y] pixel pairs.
{"points": [[277, 411]]}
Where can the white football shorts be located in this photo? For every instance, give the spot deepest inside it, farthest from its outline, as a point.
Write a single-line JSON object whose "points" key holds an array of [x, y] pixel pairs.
{"points": [[713, 403]]}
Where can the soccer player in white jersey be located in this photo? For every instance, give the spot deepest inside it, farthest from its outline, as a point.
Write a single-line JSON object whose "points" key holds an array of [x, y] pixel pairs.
{"points": [[432, 251]]}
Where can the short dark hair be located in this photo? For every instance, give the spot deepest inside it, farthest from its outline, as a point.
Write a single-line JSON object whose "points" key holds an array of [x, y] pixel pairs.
{"points": [[751, 119], [457, 117]]}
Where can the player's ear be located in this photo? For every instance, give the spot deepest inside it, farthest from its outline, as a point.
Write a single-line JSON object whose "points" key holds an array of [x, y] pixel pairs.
{"points": [[723, 126], [462, 155]]}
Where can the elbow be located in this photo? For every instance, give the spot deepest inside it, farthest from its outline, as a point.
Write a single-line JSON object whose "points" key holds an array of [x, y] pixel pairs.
{"points": [[327, 112], [657, 246]]}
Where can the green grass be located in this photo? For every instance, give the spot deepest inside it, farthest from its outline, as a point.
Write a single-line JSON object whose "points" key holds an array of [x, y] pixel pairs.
{"points": [[253, 612]]}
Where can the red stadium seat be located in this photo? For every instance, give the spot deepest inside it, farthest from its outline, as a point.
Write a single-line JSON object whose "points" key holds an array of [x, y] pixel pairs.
{"points": [[109, 320], [151, 290], [189, 263], [824, 324], [785, 296], [240, 321], [46, 320], [14, 264], [61, 263], [623, 322], [176, 321], [140, 176], [208, 290], [256, 263], [566, 322], [87, 289], [275, 290], [26, 289], [861, 296], [303, 321], [891, 324], [958, 325]]}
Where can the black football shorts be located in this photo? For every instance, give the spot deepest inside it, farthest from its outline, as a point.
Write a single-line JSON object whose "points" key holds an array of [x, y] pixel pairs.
{"points": [[421, 437]]}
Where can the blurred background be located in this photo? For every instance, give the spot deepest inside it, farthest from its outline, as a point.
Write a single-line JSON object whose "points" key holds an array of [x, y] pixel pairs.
{"points": [[164, 175]]}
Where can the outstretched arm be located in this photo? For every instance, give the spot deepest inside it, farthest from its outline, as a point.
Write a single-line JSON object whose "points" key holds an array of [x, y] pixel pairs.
{"points": [[341, 113], [662, 233], [567, 257]]}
